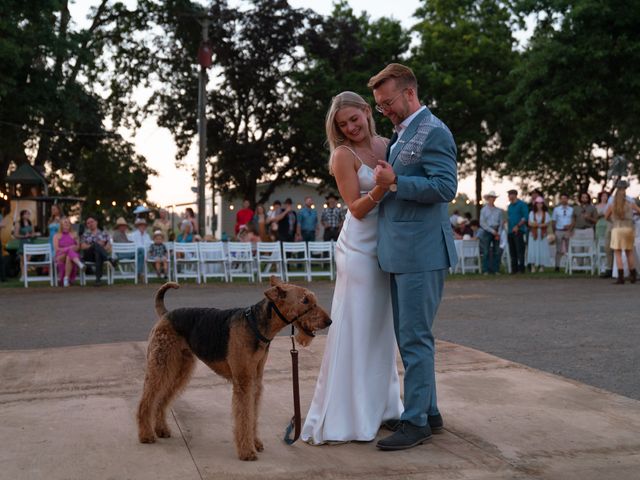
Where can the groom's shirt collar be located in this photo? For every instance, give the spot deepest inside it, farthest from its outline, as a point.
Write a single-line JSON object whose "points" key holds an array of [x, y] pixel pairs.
{"points": [[407, 121], [400, 129]]}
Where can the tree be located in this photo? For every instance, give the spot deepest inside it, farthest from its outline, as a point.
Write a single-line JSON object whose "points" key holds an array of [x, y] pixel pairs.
{"points": [[50, 113], [249, 109], [576, 103], [465, 54]]}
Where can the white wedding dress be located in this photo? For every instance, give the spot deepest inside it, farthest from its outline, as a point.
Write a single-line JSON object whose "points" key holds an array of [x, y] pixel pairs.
{"points": [[358, 386]]}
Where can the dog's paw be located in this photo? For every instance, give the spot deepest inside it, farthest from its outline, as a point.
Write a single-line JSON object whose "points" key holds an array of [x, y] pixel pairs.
{"points": [[258, 444], [249, 456], [163, 432], [147, 438]]}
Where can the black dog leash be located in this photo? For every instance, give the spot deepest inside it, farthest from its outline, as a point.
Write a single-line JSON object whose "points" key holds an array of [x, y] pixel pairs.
{"points": [[295, 425], [296, 420]]}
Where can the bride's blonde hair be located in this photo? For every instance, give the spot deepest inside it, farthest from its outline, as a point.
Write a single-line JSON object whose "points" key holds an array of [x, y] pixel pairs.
{"points": [[342, 100]]}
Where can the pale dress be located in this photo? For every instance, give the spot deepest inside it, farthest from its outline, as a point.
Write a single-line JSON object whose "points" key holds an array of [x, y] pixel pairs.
{"points": [[358, 386]]}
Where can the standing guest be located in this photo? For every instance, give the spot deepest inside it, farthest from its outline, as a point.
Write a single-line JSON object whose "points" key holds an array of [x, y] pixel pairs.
{"points": [[272, 223], [25, 233], [163, 223], [562, 221], [122, 228], [260, 222], [489, 234], [307, 221], [190, 215], [96, 247], [585, 217], [603, 232], [66, 247], [535, 194], [453, 219], [622, 231], [53, 224], [287, 222], [142, 240], [538, 245], [244, 215], [159, 255], [517, 216], [332, 219]]}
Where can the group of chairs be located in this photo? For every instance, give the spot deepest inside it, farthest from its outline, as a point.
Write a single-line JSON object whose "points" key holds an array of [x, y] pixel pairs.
{"points": [[582, 255], [200, 261]]}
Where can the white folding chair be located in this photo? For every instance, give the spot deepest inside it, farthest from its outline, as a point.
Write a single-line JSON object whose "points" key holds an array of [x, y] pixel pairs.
{"points": [[470, 256], [213, 261], [241, 261], [321, 256], [127, 267], [580, 256], [269, 254], [38, 255], [295, 253], [186, 263]]}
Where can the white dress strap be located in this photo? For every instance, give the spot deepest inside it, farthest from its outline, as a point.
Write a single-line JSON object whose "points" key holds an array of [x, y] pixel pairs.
{"points": [[352, 151]]}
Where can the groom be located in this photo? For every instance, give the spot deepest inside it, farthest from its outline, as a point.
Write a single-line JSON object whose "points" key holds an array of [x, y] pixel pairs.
{"points": [[415, 242]]}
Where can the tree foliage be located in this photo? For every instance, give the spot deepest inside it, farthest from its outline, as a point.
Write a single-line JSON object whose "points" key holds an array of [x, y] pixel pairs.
{"points": [[59, 86], [576, 103], [463, 62]]}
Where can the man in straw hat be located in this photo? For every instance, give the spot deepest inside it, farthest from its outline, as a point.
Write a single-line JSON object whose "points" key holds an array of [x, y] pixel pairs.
{"points": [[120, 234], [491, 218]]}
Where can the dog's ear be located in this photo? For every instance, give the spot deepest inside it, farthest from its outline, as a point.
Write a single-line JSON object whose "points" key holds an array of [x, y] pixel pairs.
{"points": [[273, 280], [275, 293]]}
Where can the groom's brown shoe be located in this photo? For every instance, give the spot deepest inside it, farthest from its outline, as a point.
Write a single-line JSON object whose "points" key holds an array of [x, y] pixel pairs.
{"points": [[407, 436], [435, 422]]}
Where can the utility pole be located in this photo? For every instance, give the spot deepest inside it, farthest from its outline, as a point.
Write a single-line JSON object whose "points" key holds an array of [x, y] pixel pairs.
{"points": [[205, 61]]}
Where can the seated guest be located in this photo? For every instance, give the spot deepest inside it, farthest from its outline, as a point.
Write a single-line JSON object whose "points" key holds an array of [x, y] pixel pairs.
{"points": [[142, 240], [66, 247], [159, 255], [185, 235], [163, 223], [95, 246], [122, 228]]}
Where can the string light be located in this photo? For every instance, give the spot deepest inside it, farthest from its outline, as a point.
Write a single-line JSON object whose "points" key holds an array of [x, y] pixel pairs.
{"points": [[339, 205], [97, 202], [113, 203], [453, 201], [481, 202], [299, 206], [324, 205], [128, 204], [468, 202], [231, 207], [313, 207]]}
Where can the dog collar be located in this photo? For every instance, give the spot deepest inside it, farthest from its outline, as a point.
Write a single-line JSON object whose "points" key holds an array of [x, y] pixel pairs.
{"points": [[272, 306], [253, 324]]}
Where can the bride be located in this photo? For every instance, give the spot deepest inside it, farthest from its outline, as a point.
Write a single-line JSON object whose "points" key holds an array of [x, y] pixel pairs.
{"points": [[358, 387]]}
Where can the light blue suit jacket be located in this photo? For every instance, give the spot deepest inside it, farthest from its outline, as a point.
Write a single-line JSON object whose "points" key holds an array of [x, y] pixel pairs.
{"points": [[414, 233]]}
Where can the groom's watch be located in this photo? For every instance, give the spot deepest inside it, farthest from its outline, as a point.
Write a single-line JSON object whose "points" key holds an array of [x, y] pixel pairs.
{"points": [[394, 186]]}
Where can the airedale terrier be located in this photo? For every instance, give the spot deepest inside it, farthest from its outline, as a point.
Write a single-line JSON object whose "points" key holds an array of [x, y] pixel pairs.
{"points": [[234, 343]]}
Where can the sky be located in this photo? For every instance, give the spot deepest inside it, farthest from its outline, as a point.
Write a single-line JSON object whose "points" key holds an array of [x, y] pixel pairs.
{"points": [[173, 185]]}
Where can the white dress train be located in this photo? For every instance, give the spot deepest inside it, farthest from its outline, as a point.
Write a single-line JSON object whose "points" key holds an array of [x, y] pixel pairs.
{"points": [[358, 386]]}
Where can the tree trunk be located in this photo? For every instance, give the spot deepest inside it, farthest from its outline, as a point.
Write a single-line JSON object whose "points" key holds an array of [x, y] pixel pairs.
{"points": [[478, 179]]}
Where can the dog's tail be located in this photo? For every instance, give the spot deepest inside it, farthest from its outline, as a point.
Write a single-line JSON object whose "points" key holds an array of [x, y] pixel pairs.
{"points": [[160, 308]]}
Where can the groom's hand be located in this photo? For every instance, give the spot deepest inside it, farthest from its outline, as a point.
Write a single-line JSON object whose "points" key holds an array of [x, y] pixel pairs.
{"points": [[384, 174]]}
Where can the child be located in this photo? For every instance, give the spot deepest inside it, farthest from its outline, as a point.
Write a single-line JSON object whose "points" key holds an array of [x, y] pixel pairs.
{"points": [[158, 254]]}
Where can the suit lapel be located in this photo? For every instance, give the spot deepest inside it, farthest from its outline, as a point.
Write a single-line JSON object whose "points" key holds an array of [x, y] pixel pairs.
{"points": [[408, 134], [393, 140]]}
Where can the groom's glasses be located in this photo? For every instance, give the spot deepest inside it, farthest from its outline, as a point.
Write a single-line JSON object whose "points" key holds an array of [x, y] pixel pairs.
{"points": [[387, 105]]}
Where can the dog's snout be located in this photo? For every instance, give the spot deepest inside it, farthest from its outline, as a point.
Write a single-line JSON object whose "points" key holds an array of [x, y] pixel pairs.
{"points": [[328, 322]]}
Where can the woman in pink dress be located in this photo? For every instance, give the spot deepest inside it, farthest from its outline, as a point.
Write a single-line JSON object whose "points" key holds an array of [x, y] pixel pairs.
{"points": [[66, 246]]}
